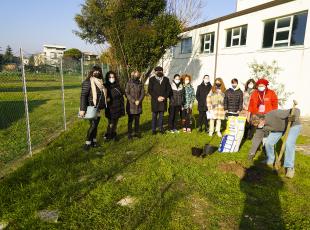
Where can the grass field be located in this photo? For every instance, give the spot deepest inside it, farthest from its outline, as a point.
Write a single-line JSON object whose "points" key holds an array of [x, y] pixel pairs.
{"points": [[45, 107], [170, 188]]}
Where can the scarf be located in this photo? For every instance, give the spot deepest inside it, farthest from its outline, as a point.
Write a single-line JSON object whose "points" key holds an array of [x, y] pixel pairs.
{"points": [[99, 83]]}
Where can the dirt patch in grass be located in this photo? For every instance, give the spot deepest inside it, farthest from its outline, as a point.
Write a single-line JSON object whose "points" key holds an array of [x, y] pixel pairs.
{"points": [[233, 167], [199, 209]]}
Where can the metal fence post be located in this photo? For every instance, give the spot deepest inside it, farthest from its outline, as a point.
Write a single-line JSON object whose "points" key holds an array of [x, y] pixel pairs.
{"points": [[63, 94], [82, 67], [26, 103]]}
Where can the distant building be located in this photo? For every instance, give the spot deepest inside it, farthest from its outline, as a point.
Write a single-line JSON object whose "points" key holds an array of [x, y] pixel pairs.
{"points": [[53, 53], [261, 30], [90, 58]]}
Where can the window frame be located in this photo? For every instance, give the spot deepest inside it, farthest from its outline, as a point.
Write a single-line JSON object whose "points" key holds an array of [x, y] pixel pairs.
{"points": [[182, 50], [208, 42], [236, 36]]}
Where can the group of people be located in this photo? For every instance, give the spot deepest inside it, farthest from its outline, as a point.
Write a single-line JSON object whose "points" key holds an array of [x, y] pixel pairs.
{"points": [[265, 122]]}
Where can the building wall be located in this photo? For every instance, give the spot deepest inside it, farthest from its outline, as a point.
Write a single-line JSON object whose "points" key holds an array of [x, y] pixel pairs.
{"points": [[234, 62]]}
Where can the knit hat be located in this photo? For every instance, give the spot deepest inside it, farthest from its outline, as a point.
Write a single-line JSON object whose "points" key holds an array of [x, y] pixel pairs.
{"points": [[262, 82], [159, 68]]}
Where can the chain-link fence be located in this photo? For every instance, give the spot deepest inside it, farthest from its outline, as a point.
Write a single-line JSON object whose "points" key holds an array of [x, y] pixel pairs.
{"points": [[37, 103]]}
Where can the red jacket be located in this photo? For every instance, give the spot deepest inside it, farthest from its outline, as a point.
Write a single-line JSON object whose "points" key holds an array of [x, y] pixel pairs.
{"points": [[270, 102]]}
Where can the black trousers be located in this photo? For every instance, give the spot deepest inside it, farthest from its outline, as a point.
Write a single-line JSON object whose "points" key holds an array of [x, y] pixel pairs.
{"points": [[133, 118], [158, 120], [173, 113], [92, 131], [187, 118], [111, 129], [202, 119]]}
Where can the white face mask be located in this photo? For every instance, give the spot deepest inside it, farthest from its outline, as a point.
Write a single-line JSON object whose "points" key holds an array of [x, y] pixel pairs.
{"points": [[251, 86], [186, 82], [177, 81], [206, 81], [261, 88], [112, 80]]}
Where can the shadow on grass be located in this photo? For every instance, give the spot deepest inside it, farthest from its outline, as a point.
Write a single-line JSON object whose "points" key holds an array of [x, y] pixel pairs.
{"points": [[262, 207], [12, 111]]}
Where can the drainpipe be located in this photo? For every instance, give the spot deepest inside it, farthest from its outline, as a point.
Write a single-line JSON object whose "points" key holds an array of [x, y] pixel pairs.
{"points": [[217, 48]]}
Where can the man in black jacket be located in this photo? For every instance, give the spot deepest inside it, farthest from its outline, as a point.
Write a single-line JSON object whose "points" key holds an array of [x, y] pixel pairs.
{"points": [[159, 88], [201, 96]]}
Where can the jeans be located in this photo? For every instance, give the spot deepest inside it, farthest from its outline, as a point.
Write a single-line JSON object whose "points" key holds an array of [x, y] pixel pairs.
{"points": [[157, 119], [173, 112], [202, 119], [131, 118], [290, 146]]}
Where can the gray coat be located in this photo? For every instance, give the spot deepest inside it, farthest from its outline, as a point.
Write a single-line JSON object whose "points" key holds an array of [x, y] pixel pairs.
{"points": [[134, 92], [277, 120]]}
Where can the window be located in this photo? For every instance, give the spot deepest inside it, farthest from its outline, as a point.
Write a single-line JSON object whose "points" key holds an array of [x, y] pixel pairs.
{"points": [[53, 55], [207, 43], [236, 36], [285, 31], [186, 45]]}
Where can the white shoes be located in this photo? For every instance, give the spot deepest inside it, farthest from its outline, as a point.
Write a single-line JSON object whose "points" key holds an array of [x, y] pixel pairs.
{"points": [[219, 134], [290, 172], [210, 134]]}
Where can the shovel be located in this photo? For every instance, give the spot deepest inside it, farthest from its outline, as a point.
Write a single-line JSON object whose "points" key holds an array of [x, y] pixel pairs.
{"points": [[279, 158]]}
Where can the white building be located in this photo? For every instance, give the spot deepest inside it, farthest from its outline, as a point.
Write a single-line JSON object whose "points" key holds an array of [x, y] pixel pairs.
{"points": [[53, 53], [261, 30]]}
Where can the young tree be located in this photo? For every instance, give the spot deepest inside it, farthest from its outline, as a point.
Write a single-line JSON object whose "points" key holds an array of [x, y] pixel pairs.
{"points": [[8, 55], [271, 73], [138, 31]]}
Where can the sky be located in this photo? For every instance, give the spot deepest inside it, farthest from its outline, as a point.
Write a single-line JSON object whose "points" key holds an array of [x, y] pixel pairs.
{"points": [[32, 23]]}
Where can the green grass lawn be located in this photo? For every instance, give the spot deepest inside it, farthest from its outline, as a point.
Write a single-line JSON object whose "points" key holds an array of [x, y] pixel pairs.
{"points": [[171, 188], [45, 108]]}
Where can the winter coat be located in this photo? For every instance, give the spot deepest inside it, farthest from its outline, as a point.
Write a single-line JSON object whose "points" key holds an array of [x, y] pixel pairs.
{"points": [[86, 98], [134, 92], [189, 96], [156, 89], [246, 98], [177, 94], [233, 101], [215, 103], [116, 108], [270, 101], [202, 92]]}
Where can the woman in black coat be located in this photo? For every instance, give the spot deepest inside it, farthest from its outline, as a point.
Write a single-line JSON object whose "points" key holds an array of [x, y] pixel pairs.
{"points": [[93, 94], [116, 108], [135, 95], [233, 101], [201, 95]]}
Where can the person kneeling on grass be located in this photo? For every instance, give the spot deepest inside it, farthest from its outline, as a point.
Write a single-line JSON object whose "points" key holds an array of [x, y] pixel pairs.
{"points": [[93, 94], [189, 98], [274, 124], [135, 95]]}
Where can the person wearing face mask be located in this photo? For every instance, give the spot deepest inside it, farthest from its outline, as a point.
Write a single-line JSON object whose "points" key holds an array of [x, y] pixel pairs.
{"points": [[135, 95], [189, 99], [248, 91], [215, 104], [201, 95], [159, 88], [233, 101], [93, 93], [116, 108], [262, 101], [175, 102]]}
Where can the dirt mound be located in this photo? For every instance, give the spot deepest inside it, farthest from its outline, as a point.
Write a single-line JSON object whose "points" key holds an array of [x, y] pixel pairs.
{"points": [[233, 167]]}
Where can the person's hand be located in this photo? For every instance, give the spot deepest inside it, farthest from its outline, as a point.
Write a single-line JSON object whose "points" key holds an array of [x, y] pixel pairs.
{"points": [[226, 111], [238, 112], [81, 113], [291, 118], [108, 99], [137, 103]]}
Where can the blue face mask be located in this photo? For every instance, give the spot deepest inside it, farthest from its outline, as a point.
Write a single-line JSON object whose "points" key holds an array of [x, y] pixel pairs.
{"points": [[261, 88]]}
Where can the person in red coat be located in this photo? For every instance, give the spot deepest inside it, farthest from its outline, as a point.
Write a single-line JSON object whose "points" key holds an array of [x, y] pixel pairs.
{"points": [[262, 101]]}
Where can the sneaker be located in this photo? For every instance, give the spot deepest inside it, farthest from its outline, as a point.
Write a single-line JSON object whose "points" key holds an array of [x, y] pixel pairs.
{"points": [[210, 134], [176, 131], [171, 131], [184, 130], [219, 134], [189, 130], [290, 172], [86, 147]]}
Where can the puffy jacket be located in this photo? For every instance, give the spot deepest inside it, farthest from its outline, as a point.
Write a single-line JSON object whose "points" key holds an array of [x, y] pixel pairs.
{"points": [[177, 94], [233, 100], [270, 101], [86, 98]]}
